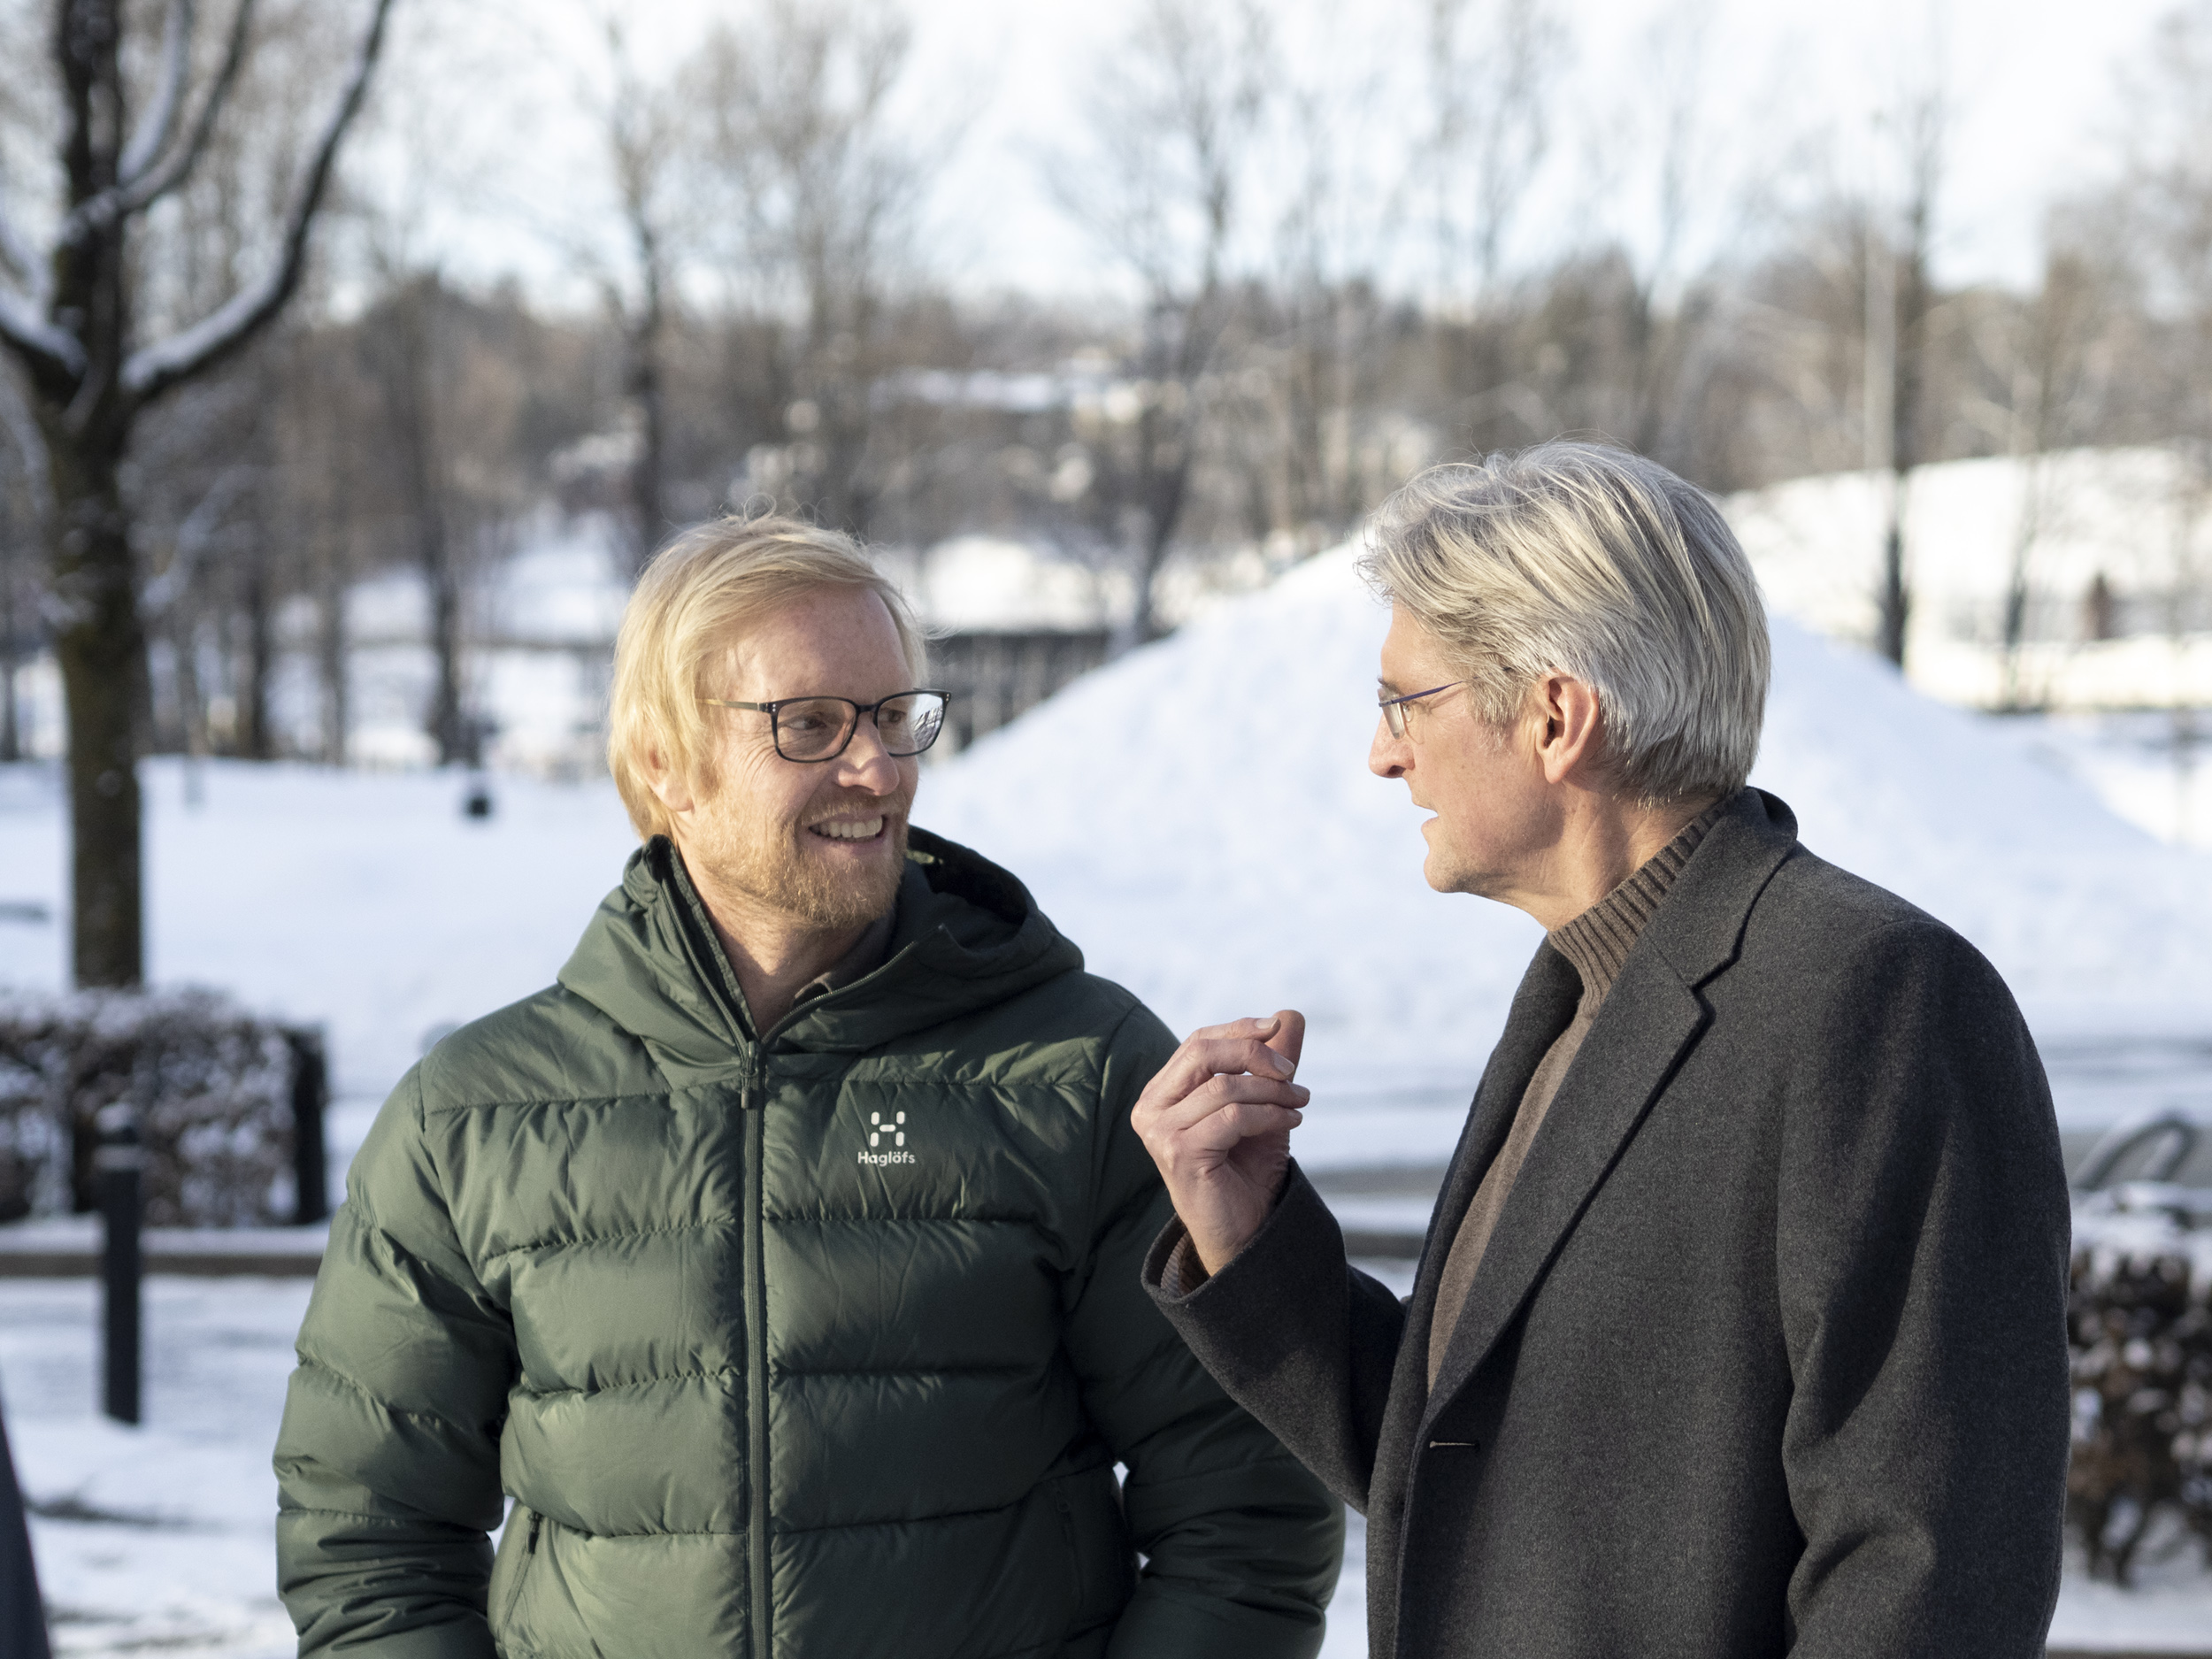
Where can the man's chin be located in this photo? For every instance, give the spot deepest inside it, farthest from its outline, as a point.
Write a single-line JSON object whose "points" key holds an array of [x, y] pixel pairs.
{"points": [[847, 882]]}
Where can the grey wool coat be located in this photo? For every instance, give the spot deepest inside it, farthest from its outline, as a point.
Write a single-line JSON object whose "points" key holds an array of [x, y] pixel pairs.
{"points": [[1767, 1354]]}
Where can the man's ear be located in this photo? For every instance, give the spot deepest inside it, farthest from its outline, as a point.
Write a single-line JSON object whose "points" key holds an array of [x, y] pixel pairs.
{"points": [[673, 792], [1571, 737]]}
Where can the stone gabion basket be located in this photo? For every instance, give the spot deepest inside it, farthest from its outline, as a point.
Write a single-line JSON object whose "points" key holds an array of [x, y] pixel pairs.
{"points": [[213, 1089], [2139, 1321]]}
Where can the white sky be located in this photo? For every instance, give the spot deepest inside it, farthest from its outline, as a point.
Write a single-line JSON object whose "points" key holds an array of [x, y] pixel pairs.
{"points": [[498, 142]]}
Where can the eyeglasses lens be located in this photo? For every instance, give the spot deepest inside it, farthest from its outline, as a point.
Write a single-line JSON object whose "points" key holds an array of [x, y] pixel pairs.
{"points": [[911, 723], [817, 728]]}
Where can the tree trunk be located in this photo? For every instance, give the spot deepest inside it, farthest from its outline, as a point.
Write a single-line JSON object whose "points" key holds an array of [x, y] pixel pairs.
{"points": [[330, 655], [648, 494], [100, 643], [643, 381], [449, 724], [11, 659], [1896, 602], [256, 740]]}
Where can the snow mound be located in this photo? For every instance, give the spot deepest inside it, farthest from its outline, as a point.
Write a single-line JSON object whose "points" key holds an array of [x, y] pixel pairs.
{"points": [[1200, 817]]}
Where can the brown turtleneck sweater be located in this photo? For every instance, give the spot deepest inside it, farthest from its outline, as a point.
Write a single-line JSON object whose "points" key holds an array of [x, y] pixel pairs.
{"points": [[1597, 942]]}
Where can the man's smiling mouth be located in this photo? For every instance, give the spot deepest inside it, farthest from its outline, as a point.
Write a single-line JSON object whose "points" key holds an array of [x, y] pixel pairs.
{"points": [[849, 829]]}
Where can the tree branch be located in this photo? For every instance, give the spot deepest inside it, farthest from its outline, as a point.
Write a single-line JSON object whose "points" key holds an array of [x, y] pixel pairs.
{"points": [[154, 369], [154, 130], [195, 537], [29, 264], [162, 174], [46, 348]]}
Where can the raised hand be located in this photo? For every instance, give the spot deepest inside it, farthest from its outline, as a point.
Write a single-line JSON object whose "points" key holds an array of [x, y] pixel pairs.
{"points": [[1217, 1119]]}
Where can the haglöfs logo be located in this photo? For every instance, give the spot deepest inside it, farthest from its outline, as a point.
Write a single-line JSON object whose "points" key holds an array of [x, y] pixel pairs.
{"points": [[892, 1130]]}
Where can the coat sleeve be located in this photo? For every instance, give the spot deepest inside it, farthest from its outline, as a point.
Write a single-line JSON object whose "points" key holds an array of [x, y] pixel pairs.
{"points": [[1297, 1335], [387, 1460], [1923, 1236], [1242, 1545]]}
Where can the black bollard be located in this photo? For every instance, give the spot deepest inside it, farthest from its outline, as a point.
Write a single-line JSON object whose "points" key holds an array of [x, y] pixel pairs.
{"points": [[119, 1162], [311, 1094]]}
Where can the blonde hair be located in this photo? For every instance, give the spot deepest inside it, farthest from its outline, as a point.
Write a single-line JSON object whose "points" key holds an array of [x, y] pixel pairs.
{"points": [[698, 594], [1581, 559]]}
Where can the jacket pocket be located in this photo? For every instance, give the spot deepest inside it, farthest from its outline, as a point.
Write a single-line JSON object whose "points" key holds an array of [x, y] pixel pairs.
{"points": [[519, 1574], [1101, 1566]]}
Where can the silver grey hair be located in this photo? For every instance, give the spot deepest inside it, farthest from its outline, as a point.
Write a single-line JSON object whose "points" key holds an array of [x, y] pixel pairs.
{"points": [[1577, 558]]}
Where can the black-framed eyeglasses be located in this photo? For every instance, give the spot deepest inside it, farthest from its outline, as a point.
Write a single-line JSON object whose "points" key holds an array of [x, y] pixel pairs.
{"points": [[1393, 709], [808, 729]]}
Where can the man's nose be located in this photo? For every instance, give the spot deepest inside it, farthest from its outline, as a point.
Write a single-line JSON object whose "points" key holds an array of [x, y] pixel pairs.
{"points": [[1388, 757], [866, 764]]}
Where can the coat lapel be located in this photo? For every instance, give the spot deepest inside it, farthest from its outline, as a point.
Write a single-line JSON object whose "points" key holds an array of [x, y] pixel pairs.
{"points": [[1650, 1021], [1541, 1008]]}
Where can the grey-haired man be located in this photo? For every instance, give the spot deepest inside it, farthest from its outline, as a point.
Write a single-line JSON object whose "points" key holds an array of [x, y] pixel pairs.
{"points": [[1740, 1329]]}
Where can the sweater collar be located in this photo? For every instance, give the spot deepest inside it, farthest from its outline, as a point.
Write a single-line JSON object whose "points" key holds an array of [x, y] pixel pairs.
{"points": [[1598, 942]]}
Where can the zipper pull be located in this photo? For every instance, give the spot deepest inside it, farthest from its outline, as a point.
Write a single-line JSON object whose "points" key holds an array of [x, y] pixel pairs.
{"points": [[536, 1521]]}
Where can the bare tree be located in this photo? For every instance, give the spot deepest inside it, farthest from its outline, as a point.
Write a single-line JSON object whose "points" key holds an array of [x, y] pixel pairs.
{"points": [[2170, 190], [1493, 65], [1173, 124], [1901, 302], [2049, 345], [650, 146], [22, 515], [71, 322], [828, 188], [1315, 340]]}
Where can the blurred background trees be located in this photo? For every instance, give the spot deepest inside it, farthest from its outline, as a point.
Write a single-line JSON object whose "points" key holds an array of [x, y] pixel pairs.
{"points": [[1321, 253]]}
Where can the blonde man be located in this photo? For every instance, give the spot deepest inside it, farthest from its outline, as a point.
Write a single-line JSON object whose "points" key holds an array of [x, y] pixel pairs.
{"points": [[779, 1263], [1741, 1327]]}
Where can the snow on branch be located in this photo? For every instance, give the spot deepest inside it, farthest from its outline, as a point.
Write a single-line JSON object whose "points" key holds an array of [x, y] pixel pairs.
{"points": [[154, 369], [31, 336], [27, 263], [157, 173], [154, 132]]}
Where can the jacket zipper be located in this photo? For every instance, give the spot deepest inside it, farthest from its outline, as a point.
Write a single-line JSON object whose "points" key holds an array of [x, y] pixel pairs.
{"points": [[752, 1114], [522, 1573]]}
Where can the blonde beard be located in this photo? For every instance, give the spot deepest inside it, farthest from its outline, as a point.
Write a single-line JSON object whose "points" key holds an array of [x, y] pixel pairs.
{"points": [[772, 870]]}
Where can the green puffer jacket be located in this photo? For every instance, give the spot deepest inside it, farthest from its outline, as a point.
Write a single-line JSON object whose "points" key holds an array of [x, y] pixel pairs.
{"points": [[822, 1346]]}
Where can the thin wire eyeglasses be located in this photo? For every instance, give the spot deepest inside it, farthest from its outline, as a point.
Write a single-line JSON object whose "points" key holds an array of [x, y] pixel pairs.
{"points": [[1393, 709], [810, 729]]}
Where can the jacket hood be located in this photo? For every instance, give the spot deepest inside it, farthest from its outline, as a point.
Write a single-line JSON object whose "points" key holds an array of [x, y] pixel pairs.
{"points": [[967, 936]]}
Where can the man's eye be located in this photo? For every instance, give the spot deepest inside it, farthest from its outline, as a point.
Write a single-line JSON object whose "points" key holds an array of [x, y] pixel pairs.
{"points": [[891, 720], [806, 721]]}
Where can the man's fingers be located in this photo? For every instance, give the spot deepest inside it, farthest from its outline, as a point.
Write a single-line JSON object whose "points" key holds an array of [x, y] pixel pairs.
{"points": [[1288, 1037], [1251, 1025], [1201, 1057], [1216, 1095], [1222, 1131]]}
